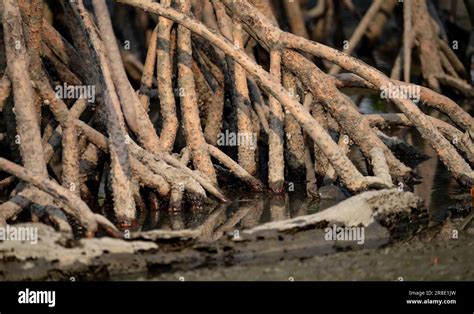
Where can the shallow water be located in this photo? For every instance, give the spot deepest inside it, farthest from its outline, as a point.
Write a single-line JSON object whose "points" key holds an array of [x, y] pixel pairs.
{"points": [[437, 189], [443, 259]]}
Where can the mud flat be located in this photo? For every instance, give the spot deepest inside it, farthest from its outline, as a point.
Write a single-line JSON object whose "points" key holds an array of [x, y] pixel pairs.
{"points": [[56, 256], [417, 259]]}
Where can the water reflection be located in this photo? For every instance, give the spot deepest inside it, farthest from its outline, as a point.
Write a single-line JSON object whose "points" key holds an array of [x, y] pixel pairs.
{"points": [[437, 189], [245, 211]]}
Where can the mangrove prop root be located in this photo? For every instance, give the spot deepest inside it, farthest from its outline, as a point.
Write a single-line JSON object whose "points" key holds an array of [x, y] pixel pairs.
{"points": [[191, 97]]}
